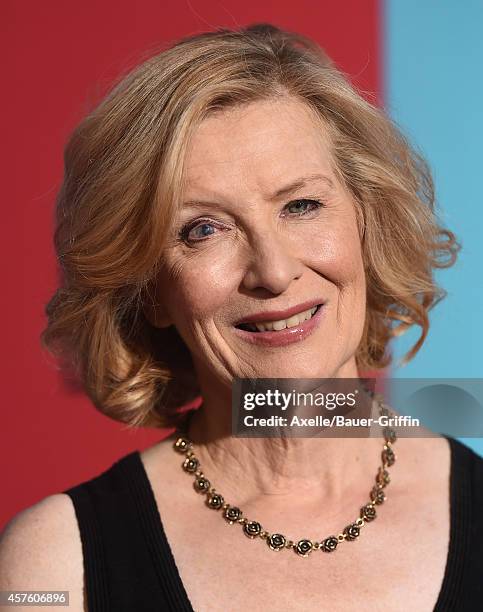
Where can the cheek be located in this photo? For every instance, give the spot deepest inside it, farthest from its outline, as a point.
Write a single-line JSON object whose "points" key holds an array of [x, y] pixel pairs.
{"points": [[199, 285], [339, 257]]}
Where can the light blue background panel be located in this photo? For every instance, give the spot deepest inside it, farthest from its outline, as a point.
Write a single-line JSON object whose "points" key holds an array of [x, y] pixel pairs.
{"points": [[434, 91]]}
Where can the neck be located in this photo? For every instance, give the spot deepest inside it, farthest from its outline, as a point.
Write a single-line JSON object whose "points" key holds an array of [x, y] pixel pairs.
{"points": [[253, 467]]}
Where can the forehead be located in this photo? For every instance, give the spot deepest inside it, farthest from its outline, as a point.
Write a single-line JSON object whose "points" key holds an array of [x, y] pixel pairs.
{"points": [[257, 146]]}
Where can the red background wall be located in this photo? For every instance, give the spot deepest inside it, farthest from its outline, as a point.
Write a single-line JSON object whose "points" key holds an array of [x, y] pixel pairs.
{"points": [[59, 59]]}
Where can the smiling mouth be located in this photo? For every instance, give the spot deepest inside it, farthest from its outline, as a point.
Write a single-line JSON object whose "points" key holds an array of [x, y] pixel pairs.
{"points": [[292, 321]]}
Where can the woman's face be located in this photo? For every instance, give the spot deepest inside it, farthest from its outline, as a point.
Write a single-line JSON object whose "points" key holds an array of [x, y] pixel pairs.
{"points": [[265, 227]]}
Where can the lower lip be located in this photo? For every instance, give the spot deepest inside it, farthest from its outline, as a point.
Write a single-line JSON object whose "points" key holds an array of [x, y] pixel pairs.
{"points": [[284, 336]]}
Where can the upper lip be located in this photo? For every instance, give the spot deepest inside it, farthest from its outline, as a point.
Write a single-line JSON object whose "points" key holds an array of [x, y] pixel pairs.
{"points": [[278, 315]]}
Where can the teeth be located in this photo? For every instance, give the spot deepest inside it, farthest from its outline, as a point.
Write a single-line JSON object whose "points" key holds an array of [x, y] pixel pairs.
{"points": [[283, 323]]}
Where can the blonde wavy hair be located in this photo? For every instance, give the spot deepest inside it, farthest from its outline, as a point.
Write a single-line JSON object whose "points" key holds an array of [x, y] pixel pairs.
{"points": [[122, 183]]}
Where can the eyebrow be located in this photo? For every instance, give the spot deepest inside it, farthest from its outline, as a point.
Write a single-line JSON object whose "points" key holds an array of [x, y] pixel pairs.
{"points": [[285, 191], [299, 184]]}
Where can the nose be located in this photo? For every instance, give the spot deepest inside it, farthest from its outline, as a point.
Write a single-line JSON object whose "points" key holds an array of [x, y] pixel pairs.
{"points": [[271, 265]]}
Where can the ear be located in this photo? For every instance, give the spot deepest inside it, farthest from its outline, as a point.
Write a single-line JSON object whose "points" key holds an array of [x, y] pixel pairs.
{"points": [[154, 312]]}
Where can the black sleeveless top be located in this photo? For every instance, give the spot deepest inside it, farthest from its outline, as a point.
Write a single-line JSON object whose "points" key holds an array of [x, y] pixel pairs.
{"points": [[129, 565]]}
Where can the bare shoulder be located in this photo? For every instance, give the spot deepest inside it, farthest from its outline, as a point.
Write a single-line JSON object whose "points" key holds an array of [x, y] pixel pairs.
{"points": [[41, 549], [423, 463], [159, 460]]}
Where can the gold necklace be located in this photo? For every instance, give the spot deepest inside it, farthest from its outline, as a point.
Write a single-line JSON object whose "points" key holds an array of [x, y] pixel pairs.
{"points": [[277, 541]]}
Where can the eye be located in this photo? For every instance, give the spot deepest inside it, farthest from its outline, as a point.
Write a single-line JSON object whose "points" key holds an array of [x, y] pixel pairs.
{"points": [[304, 206], [195, 232]]}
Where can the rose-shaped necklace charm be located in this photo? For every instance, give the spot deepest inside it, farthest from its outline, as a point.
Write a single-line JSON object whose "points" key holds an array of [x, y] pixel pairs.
{"points": [[252, 529], [276, 541], [304, 547]]}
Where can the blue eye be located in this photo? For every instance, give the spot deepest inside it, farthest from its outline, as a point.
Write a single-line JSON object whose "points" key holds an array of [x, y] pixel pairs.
{"points": [[204, 229], [197, 231], [304, 206]]}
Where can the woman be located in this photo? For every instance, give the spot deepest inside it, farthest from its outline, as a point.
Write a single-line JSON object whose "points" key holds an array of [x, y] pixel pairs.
{"points": [[224, 187]]}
